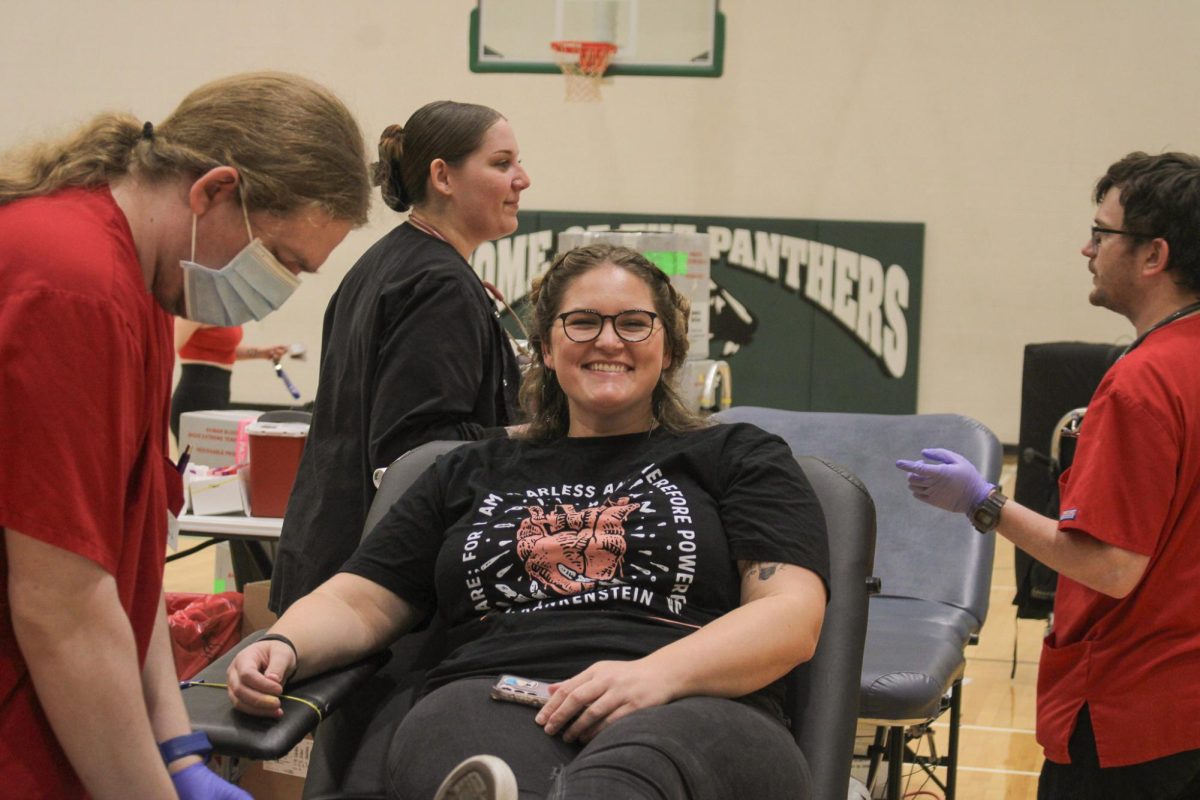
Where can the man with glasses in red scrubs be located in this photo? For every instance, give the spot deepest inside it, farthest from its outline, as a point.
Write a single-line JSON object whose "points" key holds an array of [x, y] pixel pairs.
{"points": [[1119, 677]]}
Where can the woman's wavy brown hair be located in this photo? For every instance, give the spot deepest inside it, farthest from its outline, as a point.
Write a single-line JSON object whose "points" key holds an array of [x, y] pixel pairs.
{"points": [[294, 143], [543, 399]]}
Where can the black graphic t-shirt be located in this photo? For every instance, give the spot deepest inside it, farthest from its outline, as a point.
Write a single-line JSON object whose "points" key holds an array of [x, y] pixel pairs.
{"points": [[545, 558]]}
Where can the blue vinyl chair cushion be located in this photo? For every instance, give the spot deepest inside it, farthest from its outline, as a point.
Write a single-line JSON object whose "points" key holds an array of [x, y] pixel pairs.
{"points": [[915, 652]]}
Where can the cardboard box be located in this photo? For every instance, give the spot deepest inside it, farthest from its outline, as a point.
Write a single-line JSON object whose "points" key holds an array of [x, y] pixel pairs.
{"points": [[255, 614], [216, 438], [279, 780], [216, 494]]}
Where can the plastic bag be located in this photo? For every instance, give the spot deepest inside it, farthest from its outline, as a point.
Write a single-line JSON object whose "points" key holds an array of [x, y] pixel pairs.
{"points": [[203, 626]]}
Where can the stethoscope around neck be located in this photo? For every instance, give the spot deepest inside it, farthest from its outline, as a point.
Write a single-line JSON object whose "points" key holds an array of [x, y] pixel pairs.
{"points": [[1191, 308]]}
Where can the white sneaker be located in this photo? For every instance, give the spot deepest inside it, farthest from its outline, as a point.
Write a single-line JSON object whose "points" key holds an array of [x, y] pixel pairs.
{"points": [[479, 778]]}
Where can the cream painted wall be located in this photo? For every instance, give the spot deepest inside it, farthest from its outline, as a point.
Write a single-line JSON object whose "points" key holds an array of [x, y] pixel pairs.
{"points": [[988, 122]]}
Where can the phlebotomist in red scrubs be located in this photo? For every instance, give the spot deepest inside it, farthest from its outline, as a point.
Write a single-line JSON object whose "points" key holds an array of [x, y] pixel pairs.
{"points": [[1119, 677], [212, 213]]}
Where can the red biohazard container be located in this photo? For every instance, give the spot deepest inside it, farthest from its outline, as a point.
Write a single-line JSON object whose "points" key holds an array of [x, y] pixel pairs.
{"points": [[275, 449]]}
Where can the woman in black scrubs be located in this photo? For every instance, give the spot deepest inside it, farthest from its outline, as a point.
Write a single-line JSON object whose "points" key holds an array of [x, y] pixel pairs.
{"points": [[412, 347]]}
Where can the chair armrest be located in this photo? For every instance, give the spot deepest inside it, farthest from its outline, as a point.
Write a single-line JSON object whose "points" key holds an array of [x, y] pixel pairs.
{"points": [[234, 733]]}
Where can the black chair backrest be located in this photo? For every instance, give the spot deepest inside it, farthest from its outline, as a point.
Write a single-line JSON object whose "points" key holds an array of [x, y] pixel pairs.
{"points": [[399, 476], [823, 694], [920, 551], [1056, 378]]}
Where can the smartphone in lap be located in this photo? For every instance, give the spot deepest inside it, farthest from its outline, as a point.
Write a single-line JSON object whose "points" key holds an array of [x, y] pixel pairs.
{"points": [[514, 689]]}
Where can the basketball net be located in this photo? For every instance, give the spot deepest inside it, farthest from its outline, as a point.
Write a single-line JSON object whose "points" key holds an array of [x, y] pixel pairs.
{"points": [[583, 64]]}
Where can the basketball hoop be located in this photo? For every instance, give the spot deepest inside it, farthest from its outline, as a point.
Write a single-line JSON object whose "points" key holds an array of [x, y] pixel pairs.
{"points": [[583, 64]]}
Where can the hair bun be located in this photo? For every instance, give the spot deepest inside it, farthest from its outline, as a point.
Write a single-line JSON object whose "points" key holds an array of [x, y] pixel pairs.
{"points": [[393, 138], [386, 172]]}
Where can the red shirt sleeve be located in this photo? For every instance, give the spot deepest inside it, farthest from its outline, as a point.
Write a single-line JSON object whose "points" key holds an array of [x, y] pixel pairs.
{"points": [[1120, 487], [73, 382]]}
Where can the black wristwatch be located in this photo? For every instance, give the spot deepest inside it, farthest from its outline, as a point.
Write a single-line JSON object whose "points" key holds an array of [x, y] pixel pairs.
{"points": [[190, 744], [986, 515]]}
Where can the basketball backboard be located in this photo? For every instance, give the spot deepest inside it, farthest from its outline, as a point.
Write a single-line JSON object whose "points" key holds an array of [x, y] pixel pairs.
{"points": [[653, 37]]}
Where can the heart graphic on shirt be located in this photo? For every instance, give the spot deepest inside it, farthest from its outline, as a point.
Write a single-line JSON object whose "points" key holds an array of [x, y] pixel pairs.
{"points": [[569, 549]]}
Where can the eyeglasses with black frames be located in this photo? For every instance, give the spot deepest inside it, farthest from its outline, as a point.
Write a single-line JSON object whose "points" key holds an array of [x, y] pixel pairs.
{"points": [[633, 325], [1097, 230]]}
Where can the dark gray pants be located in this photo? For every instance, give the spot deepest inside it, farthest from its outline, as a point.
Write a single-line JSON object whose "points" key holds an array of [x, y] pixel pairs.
{"points": [[1174, 777], [699, 748]]}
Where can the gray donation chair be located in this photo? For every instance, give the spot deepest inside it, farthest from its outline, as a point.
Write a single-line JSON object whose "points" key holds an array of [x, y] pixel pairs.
{"points": [[935, 570], [349, 755]]}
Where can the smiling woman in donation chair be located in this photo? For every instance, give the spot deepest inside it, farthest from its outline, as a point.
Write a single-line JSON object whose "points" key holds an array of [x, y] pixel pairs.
{"points": [[659, 572]]}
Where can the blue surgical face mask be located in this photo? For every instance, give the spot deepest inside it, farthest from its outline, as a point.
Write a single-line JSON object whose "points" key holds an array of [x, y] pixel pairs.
{"points": [[250, 286]]}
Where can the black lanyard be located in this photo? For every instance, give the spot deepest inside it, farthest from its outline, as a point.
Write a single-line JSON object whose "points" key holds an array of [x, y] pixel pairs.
{"points": [[1183, 312]]}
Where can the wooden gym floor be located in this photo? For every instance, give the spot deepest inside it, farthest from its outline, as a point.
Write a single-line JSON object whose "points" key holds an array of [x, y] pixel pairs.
{"points": [[998, 759]]}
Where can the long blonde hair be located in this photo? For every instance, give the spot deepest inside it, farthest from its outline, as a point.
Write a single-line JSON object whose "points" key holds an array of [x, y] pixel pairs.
{"points": [[543, 399], [294, 143]]}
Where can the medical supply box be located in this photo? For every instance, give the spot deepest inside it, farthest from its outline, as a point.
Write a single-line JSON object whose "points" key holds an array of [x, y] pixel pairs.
{"points": [[216, 438]]}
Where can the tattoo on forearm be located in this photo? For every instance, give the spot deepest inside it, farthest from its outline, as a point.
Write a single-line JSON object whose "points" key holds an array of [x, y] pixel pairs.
{"points": [[763, 571]]}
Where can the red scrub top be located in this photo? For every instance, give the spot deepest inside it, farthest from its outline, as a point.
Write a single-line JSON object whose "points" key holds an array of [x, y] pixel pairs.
{"points": [[86, 353], [1134, 484]]}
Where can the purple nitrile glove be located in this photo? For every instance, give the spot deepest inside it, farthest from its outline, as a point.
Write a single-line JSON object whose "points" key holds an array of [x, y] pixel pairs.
{"points": [[951, 483], [198, 782]]}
